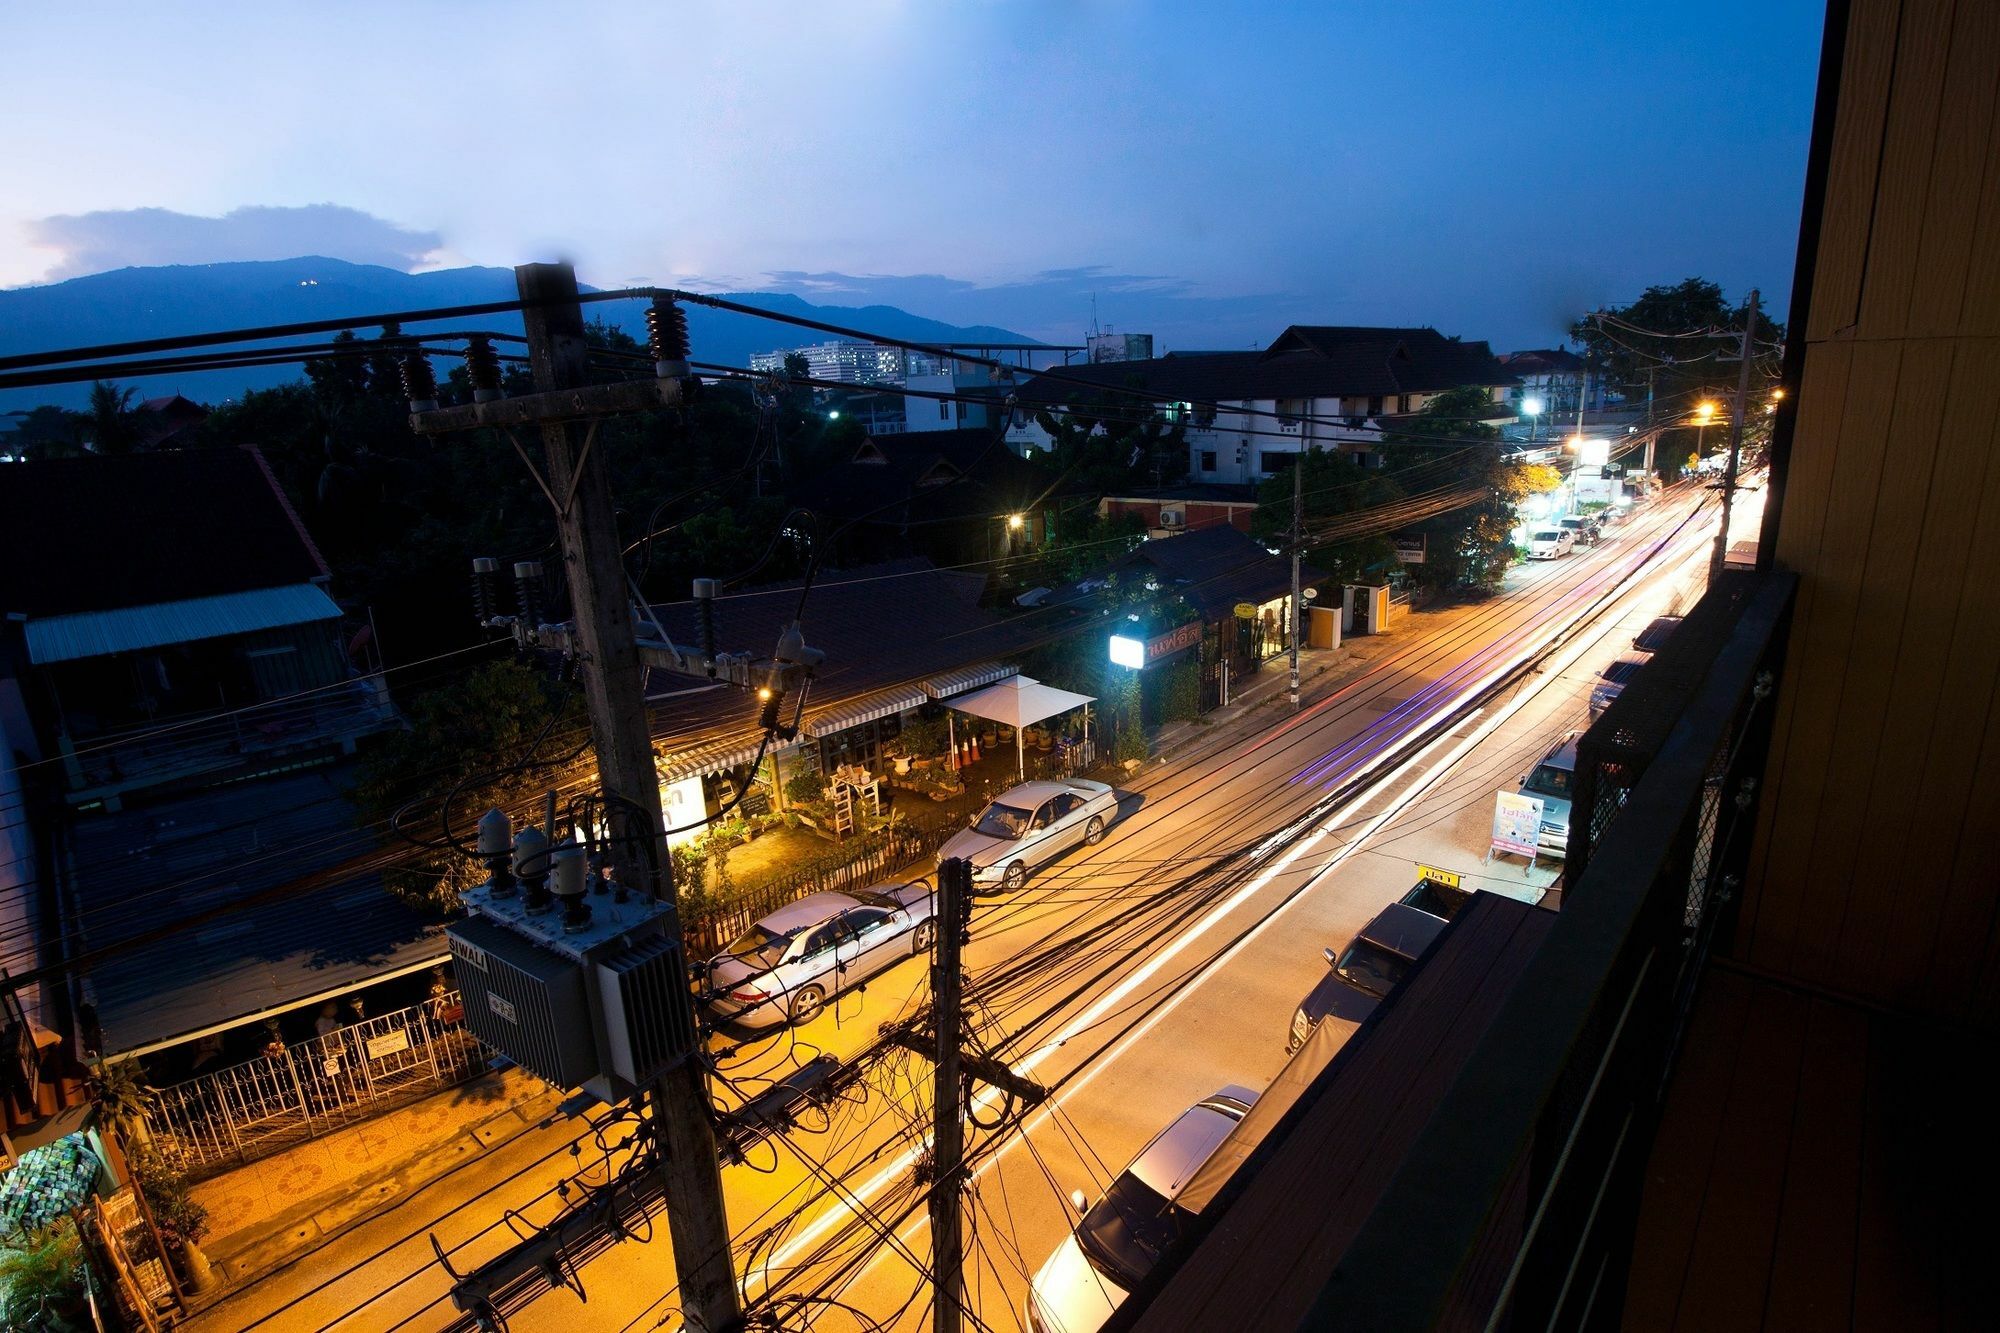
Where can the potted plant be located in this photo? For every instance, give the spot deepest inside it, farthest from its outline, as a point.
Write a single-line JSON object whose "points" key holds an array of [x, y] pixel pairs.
{"points": [[162, 1177], [41, 1284], [125, 1099], [924, 738]]}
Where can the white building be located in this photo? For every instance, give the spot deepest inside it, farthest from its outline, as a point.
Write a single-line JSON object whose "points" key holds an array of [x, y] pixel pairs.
{"points": [[1248, 415], [846, 362]]}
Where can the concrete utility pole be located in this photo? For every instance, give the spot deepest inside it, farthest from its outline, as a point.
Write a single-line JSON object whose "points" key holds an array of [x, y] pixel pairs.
{"points": [[613, 688], [948, 1131], [1721, 554], [1298, 544]]}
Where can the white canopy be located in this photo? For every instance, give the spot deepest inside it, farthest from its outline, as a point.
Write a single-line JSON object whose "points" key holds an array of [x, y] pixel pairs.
{"points": [[1018, 701]]}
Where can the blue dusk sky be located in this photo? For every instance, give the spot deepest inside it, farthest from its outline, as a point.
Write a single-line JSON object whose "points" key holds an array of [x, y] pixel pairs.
{"points": [[1206, 171]]}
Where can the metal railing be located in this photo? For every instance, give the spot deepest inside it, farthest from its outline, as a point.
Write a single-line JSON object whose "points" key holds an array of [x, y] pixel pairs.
{"points": [[864, 861], [263, 1106], [1515, 1207]]}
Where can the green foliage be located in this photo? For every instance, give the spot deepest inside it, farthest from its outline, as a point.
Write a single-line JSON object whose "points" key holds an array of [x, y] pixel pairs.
{"points": [[1180, 698], [162, 1173], [804, 787], [42, 1283], [1122, 701], [491, 735], [121, 1091], [1469, 546], [1096, 440], [112, 430], [926, 737]]}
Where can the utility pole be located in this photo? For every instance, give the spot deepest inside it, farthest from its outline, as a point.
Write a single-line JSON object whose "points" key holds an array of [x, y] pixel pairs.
{"points": [[948, 1132], [613, 689], [1735, 439], [1298, 544]]}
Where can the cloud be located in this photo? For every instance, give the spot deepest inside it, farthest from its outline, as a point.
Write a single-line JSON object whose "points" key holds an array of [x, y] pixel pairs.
{"points": [[1057, 305], [96, 242]]}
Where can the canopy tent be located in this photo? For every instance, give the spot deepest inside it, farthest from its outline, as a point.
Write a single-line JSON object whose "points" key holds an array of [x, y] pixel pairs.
{"points": [[1018, 702]]}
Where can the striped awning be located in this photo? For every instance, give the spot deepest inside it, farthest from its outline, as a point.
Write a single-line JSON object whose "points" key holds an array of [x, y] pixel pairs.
{"points": [[853, 712], [948, 683], [712, 758]]}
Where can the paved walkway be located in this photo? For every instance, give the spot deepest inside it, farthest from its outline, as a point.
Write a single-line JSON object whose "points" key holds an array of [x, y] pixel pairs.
{"points": [[266, 1212]]}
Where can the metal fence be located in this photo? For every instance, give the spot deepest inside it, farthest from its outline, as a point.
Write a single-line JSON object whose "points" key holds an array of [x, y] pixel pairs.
{"points": [[862, 862], [266, 1105]]}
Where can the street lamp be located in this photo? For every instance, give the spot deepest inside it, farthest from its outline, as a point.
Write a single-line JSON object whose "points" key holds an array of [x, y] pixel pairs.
{"points": [[1704, 412], [1533, 407]]}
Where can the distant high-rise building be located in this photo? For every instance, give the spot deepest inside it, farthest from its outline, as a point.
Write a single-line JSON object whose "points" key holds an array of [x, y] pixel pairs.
{"points": [[845, 362], [1109, 346]]}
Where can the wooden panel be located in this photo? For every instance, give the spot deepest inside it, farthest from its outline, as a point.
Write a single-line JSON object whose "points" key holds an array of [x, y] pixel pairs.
{"points": [[1959, 169], [1943, 681], [1902, 186], [1677, 1171], [1822, 399], [1980, 313], [1812, 1265], [1896, 1268], [1887, 566], [1852, 167], [1729, 1269], [1817, 657]]}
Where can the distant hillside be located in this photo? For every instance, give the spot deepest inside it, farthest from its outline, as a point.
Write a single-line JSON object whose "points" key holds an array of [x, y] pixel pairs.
{"points": [[136, 303]]}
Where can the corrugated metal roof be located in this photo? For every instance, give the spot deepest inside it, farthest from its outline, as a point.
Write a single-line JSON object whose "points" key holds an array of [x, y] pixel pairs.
{"points": [[129, 629]]}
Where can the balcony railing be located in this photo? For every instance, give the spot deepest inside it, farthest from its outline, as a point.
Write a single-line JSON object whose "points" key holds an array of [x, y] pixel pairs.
{"points": [[1515, 1206]]}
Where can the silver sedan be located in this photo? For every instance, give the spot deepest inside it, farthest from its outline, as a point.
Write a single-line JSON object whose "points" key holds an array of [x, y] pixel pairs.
{"points": [[787, 966], [1030, 824]]}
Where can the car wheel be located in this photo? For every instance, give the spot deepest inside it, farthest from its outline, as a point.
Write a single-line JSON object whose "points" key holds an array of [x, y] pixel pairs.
{"points": [[807, 1001], [1093, 832], [1017, 875], [926, 935]]}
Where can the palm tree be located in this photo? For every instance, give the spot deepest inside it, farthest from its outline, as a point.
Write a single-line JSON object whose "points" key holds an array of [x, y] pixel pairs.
{"points": [[111, 428]]}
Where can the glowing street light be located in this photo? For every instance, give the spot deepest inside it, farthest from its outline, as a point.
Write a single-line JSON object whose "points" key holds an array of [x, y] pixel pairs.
{"points": [[1016, 522], [1533, 407]]}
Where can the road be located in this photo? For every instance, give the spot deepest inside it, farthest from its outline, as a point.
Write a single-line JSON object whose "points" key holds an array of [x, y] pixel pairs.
{"points": [[1134, 978]]}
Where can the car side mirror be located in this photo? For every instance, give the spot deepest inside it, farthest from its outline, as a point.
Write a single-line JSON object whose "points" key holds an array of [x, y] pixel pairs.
{"points": [[1331, 957], [1078, 1201], [1523, 779]]}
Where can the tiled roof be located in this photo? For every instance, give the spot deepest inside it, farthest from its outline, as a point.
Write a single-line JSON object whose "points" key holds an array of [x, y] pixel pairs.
{"points": [[1215, 568], [94, 534]]}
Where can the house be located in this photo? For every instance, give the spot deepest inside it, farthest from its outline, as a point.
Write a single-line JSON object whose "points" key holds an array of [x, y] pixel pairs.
{"points": [[1168, 510], [1246, 415], [180, 711], [161, 419], [953, 496], [1553, 377], [1241, 591]]}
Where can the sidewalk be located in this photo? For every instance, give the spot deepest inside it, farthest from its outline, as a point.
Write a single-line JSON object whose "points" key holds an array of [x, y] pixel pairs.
{"points": [[264, 1213]]}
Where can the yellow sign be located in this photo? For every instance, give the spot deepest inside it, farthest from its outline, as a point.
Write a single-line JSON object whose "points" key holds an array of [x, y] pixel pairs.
{"points": [[1246, 611], [1448, 878]]}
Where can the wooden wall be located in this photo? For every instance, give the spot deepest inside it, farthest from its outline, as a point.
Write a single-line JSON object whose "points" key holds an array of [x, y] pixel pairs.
{"points": [[1876, 868]]}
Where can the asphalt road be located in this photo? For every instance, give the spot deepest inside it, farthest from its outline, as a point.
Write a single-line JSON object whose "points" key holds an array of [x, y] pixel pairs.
{"points": [[1135, 977]]}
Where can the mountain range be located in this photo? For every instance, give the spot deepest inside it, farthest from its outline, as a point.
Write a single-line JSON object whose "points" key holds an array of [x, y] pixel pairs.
{"points": [[130, 304]]}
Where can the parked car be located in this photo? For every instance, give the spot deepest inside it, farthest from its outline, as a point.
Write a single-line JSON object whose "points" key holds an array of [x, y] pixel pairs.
{"points": [[1582, 528], [1118, 1239], [1658, 630], [1554, 781], [1613, 679], [1366, 970], [1548, 543], [785, 967], [1029, 825]]}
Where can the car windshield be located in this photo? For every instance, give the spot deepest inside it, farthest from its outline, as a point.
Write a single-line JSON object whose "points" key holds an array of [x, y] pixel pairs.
{"points": [[1371, 967], [1125, 1233], [1002, 821], [1549, 780], [1548, 535], [760, 946], [1622, 671]]}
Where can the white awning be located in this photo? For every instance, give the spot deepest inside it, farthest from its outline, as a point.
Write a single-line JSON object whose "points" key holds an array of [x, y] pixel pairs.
{"points": [[966, 678], [853, 712], [1019, 701], [712, 758], [133, 628]]}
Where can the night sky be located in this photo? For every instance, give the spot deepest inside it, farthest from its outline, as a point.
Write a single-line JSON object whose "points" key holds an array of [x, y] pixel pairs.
{"points": [[1208, 171]]}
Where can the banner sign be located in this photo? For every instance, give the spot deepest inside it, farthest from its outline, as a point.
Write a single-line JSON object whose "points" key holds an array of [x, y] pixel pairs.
{"points": [[388, 1043], [1448, 878], [1410, 550], [1246, 610], [1517, 824], [1173, 641]]}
